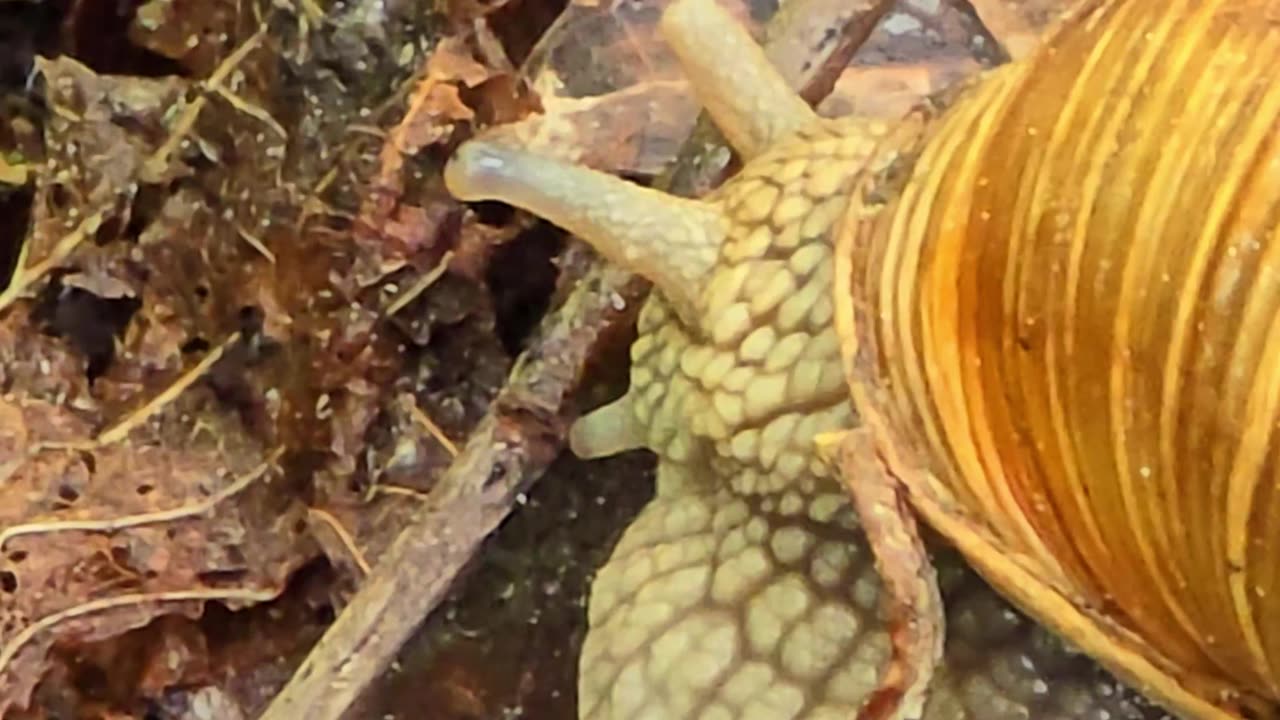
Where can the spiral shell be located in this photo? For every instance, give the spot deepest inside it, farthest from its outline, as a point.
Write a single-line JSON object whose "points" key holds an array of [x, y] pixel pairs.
{"points": [[1064, 329]]}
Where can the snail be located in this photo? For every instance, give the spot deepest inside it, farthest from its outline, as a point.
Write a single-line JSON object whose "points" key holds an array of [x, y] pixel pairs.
{"points": [[1042, 320]]}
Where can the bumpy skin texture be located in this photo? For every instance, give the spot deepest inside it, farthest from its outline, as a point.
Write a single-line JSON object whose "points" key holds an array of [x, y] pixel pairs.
{"points": [[745, 589]]}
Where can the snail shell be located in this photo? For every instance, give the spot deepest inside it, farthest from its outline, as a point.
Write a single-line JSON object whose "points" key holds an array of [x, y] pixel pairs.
{"points": [[1063, 331], [1052, 308]]}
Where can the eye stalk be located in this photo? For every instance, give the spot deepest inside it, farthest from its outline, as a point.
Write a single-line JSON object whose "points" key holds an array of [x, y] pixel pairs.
{"points": [[671, 241], [749, 100]]}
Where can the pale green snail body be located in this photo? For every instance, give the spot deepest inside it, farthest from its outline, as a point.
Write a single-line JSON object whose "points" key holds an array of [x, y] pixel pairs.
{"points": [[976, 292]]}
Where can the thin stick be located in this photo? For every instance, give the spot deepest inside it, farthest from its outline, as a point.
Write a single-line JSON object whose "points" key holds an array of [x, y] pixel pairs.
{"points": [[24, 277], [425, 421], [257, 244], [344, 537], [121, 429], [389, 489], [421, 284], [255, 111], [187, 120]]}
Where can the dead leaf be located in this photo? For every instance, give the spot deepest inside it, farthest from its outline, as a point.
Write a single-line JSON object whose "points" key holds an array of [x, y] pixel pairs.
{"points": [[103, 539], [1018, 25]]}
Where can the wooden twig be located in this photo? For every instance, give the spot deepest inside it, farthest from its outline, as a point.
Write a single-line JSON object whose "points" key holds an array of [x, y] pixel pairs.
{"points": [[24, 276], [420, 285], [425, 421], [518, 438], [813, 41], [187, 120]]}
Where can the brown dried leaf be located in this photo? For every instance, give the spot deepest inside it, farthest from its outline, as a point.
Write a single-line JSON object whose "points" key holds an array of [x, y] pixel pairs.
{"points": [[390, 235], [101, 141], [166, 27], [890, 91], [633, 130], [41, 366], [615, 99], [1019, 24], [102, 539]]}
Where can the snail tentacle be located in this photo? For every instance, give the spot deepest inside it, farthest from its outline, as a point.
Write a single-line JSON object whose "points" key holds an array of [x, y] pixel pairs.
{"points": [[748, 98], [672, 241], [609, 430]]}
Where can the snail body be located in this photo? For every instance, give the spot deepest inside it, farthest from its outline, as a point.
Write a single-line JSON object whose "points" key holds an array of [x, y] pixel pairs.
{"points": [[1049, 312]]}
